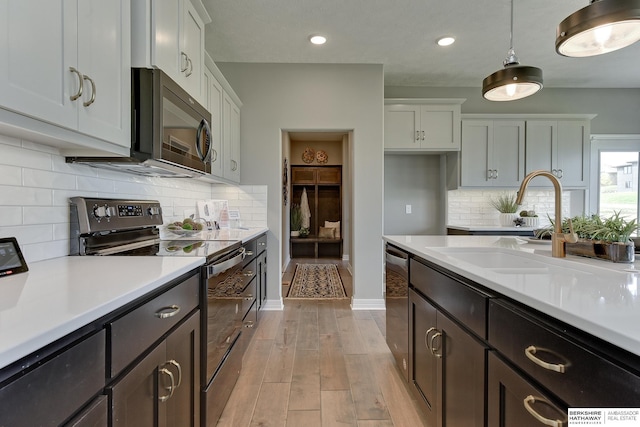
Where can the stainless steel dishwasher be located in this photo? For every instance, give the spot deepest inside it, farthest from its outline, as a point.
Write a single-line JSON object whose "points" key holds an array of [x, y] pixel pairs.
{"points": [[397, 304]]}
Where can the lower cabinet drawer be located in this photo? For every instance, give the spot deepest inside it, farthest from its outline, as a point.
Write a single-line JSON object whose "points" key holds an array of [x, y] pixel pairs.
{"points": [[133, 333], [51, 393], [465, 304], [513, 401], [568, 369]]}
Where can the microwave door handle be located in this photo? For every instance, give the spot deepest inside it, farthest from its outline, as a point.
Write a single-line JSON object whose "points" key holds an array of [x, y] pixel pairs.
{"points": [[204, 127]]}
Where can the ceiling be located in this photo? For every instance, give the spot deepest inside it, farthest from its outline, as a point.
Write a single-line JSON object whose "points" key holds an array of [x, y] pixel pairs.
{"points": [[401, 35]]}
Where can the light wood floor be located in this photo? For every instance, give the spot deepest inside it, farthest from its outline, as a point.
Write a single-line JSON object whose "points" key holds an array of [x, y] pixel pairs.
{"points": [[320, 364]]}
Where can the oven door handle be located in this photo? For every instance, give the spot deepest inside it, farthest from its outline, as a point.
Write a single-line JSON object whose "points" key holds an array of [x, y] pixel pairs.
{"points": [[215, 269]]}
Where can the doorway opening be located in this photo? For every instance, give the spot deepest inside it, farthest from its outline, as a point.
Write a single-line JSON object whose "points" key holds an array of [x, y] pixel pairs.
{"points": [[316, 196]]}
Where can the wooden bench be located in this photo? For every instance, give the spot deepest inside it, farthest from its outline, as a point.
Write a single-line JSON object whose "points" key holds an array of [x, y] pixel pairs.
{"points": [[322, 247]]}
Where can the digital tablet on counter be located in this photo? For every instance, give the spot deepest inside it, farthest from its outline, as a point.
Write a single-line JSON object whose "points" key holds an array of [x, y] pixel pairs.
{"points": [[11, 259]]}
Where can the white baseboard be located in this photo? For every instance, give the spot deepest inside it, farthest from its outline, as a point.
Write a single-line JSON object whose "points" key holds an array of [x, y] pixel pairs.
{"points": [[367, 304], [273, 305]]}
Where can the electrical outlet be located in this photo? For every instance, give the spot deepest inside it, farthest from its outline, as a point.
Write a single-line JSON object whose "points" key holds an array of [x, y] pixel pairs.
{"points": [[407, 209]]}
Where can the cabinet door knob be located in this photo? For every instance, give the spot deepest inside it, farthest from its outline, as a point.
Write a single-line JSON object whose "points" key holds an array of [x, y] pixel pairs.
{"points": [[78, 94], [171, 388], [530, 353], [530, 400]]}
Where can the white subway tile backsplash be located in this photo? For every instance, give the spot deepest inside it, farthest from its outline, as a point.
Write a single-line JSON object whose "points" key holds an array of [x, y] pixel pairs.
{"points": [[48, 179], [11, 175], [37, 183], [10, 215]]}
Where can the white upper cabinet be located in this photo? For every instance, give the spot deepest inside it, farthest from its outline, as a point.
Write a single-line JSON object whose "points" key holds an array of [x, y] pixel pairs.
{"points": [[231, 139], [169, 35], [224, 105], [492, 153], [560, 146], [68, 65], [422, 124]]}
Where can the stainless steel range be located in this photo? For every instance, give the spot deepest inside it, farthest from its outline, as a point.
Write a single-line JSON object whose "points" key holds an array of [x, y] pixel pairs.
{"points": [[130, 227]]}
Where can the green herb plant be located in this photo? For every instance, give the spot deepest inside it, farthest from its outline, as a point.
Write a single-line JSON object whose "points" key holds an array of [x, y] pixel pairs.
{"points": [[296, 218], [615, 229], [505, 203]]}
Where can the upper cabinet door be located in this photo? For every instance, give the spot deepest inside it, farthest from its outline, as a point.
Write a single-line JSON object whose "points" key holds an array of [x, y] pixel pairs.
{"points": [[476, 167], [572, 152], [68, 64], [37, 50], [401, 126], [104, 59], [440, 127], [192, 49], [422, 125], [508, 152]]}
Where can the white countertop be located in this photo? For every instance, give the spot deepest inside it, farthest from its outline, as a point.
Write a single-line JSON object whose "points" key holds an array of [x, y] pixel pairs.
{"points": [[490, 228], [58, 296], [596, 296]]}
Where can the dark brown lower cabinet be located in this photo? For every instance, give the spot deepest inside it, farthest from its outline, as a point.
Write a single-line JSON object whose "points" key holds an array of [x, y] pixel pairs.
{"points": [[515, 402], [162, 389], [94, 415], [446, 367]]}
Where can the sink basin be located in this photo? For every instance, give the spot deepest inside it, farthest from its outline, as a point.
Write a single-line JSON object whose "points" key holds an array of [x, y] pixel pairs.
{"points": [[492, 258]]}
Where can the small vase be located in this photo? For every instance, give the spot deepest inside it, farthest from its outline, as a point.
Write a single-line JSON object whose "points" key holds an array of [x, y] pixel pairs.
{"points": [[506, 219]]}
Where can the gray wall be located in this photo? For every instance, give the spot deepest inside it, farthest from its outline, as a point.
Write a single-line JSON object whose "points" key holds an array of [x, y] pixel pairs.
{"points": [[413, 180], [299, 97], [618, 110]]}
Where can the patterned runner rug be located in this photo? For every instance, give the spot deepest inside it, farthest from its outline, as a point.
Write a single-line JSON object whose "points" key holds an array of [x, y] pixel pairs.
{"points": [[313, 281]]}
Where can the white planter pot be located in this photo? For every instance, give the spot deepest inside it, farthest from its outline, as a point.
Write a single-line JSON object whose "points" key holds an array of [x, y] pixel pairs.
{"points": [[506, 219], [531, 221], [295, 233]]}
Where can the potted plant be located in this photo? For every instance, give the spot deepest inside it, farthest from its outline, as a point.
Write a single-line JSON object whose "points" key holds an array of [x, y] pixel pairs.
{"points": [[304, 232], [605, 238], [506, 204], [296, 220]]}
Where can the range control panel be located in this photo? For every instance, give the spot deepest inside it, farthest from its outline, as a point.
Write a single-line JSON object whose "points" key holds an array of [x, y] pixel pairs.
{"points": [[89, 215]]}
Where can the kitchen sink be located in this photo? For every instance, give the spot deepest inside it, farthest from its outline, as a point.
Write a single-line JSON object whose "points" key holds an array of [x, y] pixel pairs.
{"points": [[511, 261]]}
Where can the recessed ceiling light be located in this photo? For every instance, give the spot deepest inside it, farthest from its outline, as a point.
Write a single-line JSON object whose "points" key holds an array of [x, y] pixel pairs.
{"points": [[445, 41], [317, 39]]}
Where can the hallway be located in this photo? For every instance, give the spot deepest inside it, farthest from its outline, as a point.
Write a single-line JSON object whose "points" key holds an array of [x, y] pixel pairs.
{"points": [[320, 364]]}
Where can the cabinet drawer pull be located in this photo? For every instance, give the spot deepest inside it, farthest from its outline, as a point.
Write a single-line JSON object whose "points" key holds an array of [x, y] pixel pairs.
{"points": [[179, 368], [249, 297], [249, 273], [78, 94], [417, 135], [170, 388], [556, 367], [249, 324], [431, 346], [249, 253], [167, 312], [423, 135], [530, 400]]}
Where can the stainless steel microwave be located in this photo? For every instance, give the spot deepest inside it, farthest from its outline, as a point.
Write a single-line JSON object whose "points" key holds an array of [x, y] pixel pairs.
{"points": [[170, 131]]}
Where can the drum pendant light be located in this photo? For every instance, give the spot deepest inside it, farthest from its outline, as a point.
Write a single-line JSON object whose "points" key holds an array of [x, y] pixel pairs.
{"points": [[601, 27], [513, 82]]}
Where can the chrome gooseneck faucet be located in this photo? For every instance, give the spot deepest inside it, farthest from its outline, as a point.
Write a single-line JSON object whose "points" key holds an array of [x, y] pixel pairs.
{"points": [[558, 238]]}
